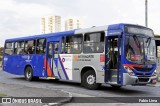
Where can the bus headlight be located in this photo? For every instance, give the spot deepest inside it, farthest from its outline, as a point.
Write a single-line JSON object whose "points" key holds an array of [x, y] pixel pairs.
{"points": [[130, 72], [154, 73]]}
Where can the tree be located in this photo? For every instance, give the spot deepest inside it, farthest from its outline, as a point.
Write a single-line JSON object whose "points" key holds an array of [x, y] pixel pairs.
{"points": [[1, 53], [156, 35]]}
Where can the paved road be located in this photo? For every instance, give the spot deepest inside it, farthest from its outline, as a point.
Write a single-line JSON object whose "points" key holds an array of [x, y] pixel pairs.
{"points": [[77, 90]]}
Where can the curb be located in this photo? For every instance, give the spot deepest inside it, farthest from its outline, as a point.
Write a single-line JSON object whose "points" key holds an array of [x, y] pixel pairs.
{"points": [[155, 85], [61, 102]]}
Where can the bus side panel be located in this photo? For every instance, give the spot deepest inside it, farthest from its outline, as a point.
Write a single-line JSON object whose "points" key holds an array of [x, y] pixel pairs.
{"points": [[38, 65], [10, 65], [65, 66], [20, 64], [16, 64], [95, 61], [36, 61]]}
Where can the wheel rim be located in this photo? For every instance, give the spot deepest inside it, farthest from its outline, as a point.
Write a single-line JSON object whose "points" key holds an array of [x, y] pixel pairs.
{"points": [[28, 74], [90, 79]]}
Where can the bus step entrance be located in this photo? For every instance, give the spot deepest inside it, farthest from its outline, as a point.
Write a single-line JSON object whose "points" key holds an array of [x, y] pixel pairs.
{"points": [[113, 74], [52, 77]]}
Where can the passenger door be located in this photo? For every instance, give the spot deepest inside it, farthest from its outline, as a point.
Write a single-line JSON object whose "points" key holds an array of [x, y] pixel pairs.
{"points": [[52, 59], [113, 60]]}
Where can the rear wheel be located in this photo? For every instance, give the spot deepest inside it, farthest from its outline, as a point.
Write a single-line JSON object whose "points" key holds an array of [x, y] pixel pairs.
{"points": [[29, 74], [89, 80]]}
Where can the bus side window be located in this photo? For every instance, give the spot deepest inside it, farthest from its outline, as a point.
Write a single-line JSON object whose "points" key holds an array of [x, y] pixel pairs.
{"points": [[30, 47], [9, 48], [68, 44], [19, 47], [158, 51], [41, 46], [62, 45], [94, 42], [56, 46], [76, 45], [73, 44]]}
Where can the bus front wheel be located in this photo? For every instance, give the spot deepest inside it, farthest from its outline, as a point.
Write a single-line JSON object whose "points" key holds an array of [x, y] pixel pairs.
{"points": [[29, 74], [89, 80]]}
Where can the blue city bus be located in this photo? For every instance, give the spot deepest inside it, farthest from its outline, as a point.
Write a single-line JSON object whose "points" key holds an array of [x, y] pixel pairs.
{"points": [[118, 55]]}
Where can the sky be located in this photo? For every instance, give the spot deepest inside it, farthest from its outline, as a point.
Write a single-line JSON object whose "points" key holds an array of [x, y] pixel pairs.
{"points": [[22, 17]]}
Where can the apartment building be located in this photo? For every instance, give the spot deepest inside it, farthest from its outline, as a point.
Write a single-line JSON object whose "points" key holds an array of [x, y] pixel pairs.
{"points": [[50, 24], [73, 23]]}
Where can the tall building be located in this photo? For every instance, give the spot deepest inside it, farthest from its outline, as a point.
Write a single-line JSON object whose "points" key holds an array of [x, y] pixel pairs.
{"points": [[50, 24], [72, 23]]}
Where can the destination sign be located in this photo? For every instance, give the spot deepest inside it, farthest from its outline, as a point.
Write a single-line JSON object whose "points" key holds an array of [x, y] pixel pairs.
{"points": [[139, 30]]}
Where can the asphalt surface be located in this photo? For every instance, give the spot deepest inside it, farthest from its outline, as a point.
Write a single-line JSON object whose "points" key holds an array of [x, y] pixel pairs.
{"points": [[40, 95], [78, 91], [33, 96], [104, 91]]}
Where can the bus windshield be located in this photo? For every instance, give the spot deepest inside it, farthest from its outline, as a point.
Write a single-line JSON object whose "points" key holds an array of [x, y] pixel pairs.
{"points": [[140, 49]]}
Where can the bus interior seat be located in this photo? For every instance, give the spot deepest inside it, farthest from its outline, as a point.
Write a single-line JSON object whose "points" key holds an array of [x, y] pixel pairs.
{"points": [[88, 49]]}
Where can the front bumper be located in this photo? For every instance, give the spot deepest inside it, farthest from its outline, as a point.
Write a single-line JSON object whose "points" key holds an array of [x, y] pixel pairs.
{"points": [[134, 80]]}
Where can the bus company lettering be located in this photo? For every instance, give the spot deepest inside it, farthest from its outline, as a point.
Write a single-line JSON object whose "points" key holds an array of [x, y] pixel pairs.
{"points": [[83, 57], [28, 59], [86, 56]]}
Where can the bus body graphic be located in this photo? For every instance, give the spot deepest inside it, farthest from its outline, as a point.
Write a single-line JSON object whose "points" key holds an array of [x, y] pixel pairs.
{"points": [[118, 54], [49, 72]]}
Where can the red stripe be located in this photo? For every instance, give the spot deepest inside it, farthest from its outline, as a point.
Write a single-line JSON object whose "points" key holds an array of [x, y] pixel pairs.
{"points": [[46, 65], [131, 66]]}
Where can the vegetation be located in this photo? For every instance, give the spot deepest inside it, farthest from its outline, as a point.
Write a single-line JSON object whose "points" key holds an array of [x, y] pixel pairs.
{"points": [[1, 50], [2, 95], [156, 35], [1, 53]]}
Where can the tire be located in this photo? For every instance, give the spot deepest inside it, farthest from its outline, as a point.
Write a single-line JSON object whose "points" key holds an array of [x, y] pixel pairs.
{"points": [[29, 74], [89, 80], [116, 86]]}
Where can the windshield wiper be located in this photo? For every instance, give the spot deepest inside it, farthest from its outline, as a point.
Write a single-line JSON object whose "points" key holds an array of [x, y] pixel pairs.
{"points": [[136, 41], [148, 41]]}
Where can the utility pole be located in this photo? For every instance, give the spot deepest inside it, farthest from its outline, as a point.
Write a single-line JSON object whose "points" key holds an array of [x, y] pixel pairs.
{"points": [[146, 13]]}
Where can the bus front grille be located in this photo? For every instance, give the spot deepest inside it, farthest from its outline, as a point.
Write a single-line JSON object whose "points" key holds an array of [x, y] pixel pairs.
{"points": [[143, 79]]}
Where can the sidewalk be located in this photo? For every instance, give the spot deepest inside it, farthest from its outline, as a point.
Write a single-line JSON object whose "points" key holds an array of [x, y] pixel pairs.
{"points": [[11, 90], [155, 85]]}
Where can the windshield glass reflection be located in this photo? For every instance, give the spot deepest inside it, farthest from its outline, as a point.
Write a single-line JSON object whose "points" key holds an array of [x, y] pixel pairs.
{"points": [[140, 49]]}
